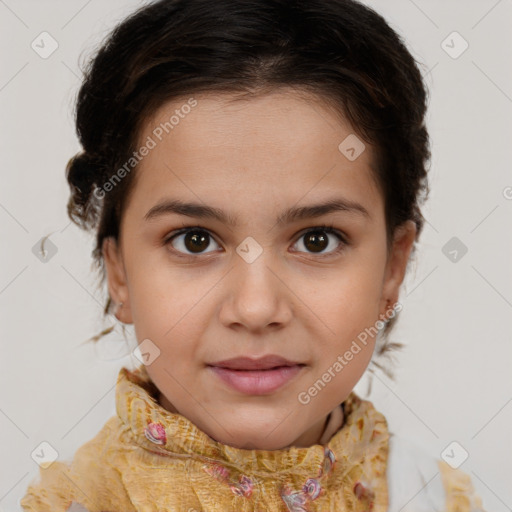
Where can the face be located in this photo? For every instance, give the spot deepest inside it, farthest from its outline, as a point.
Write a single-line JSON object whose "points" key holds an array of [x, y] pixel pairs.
{"points": [[261, 276]]}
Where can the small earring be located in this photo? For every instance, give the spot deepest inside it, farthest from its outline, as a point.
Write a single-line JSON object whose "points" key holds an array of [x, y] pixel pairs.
{"points": [[120, 305], [385, 314]]}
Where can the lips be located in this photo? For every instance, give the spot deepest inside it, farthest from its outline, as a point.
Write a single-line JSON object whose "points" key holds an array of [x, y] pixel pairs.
{"points": [[263, 363], [257, 382], [256, 376]]}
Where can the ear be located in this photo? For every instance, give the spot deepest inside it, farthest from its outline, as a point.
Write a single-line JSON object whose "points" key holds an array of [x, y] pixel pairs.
{"points": [[396, 265], [116, 278]]}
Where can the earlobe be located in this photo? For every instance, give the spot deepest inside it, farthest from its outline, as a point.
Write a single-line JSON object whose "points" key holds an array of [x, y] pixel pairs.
{"points": [[403, 242], [116, 279]]}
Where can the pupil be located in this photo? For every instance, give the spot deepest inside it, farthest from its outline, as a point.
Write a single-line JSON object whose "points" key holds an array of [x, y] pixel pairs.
{"points": [[318, 241], [198, 242]]}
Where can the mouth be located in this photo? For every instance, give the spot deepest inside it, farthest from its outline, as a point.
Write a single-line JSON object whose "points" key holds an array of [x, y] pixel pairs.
{"points": [[260, 381], [268, 362]]}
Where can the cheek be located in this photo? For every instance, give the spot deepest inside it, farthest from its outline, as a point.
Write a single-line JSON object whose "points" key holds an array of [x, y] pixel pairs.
{"points": [[348, 299], [155, 290], [166, 309]]}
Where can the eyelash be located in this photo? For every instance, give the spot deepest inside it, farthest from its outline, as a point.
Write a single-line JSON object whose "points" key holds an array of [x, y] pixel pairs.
{"points": [[327, 228]]}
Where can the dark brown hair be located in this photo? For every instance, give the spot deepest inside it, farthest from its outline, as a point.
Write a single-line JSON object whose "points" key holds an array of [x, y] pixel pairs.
{"points": [[339, 50]]}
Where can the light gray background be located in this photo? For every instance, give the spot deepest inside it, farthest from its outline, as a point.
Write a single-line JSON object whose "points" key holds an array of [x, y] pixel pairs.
{"points": [[454, 378]]}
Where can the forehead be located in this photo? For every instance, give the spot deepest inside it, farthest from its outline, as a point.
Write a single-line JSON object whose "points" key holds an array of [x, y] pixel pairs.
{"points": [[279, 147]]}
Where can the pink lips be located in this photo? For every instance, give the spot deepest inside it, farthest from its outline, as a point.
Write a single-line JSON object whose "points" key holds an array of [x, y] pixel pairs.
{"points": [[259, 363], [256, 376]]}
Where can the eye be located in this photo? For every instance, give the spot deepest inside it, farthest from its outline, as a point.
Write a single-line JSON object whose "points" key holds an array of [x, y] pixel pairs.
{"points": [[316, 240], [196, 240]]}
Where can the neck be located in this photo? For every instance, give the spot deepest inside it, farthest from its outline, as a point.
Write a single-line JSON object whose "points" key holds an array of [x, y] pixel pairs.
{"points": [[309, 438]]}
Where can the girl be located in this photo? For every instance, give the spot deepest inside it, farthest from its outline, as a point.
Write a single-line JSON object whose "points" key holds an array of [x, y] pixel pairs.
{"points": [[253, 170]]}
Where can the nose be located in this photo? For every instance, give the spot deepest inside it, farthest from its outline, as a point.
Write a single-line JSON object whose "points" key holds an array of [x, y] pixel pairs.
{"points": [[257, 296]]}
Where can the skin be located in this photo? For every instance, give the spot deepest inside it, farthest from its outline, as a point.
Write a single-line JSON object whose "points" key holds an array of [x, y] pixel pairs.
{"points": [[254, 159]]}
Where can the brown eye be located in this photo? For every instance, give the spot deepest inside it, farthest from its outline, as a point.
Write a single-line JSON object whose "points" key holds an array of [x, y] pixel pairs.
{"points": [[196, 241], [191, 241], [317, 240]]}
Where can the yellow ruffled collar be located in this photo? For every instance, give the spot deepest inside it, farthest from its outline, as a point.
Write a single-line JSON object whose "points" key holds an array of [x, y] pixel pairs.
{"points": [[355, 457]]}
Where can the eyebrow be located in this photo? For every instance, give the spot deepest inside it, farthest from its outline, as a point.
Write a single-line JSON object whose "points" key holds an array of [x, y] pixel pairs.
{"points": [[296, 213]]}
